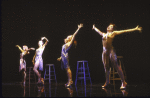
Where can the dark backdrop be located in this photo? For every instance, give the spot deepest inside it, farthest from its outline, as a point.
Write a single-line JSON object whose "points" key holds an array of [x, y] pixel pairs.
{"points": [[24, 22]]}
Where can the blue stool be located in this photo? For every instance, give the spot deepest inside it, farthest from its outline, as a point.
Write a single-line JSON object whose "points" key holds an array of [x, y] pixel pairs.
{"points": [[83, 71], [50, 69]]}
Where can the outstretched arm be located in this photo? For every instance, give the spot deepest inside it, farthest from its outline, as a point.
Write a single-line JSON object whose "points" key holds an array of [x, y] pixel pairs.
{"points": [[73, 36], [97, 30], [31, 49], [19, 48], [45, 42], [128, 30]]}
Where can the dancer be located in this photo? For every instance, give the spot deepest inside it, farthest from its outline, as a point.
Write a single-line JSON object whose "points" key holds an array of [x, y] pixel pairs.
{"points": [[64, 55], [22, 66], [38, 59], [109, 53]]}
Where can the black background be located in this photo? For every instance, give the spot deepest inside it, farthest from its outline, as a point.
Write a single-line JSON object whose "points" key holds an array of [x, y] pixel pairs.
{"points": [[24, 22]]}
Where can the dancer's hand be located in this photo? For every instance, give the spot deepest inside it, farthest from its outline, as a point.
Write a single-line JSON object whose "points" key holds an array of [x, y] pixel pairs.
{"points": [[93, 26], [138, 28], [81, 25], [44, 38], [58, 59], [32, 48], [17, 45]]}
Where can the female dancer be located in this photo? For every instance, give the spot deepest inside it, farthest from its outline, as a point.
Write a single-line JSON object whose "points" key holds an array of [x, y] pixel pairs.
{"points": [[22, 66], [38, 59], [108, 52], [64, 55]]}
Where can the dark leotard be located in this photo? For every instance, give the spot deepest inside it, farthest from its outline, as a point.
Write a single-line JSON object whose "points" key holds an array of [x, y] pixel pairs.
{"points": [[64, 56]]}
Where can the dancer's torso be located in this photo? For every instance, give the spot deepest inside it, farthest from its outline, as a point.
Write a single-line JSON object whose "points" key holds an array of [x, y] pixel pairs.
{"points": [[22, 55], [107, 42], [39, 52], [64, 52]]}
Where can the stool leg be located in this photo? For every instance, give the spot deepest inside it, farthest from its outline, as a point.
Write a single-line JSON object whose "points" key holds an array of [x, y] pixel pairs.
{"points": [[49, 75], [44, 73], [76, 73], [55, 74], [84, 74], [113, 76], [29, 75], [89, 73]]}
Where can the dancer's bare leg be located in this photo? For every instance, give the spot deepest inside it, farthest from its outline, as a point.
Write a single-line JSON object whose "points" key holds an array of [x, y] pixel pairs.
{"points": [[105, 59], [69, 73], [36, 71], [113, 59]]}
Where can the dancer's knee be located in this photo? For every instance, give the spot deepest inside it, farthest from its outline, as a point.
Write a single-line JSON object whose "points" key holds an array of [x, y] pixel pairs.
{"points": [[107, 68], [68, 70], [34, 69]]}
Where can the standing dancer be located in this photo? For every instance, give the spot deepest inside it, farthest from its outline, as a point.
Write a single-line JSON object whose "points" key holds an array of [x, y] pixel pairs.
{"points": [[64, 55], [22, 66], [38, 59], [108, 52]]}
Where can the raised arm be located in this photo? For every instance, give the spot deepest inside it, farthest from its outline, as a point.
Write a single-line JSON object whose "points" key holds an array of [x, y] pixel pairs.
{"points": [[73, 36], [128, 30], [19, 48], [30, 49], [97, 30], [45, 42]]}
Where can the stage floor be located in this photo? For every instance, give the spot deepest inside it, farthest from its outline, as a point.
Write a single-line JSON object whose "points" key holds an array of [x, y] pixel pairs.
{"points": [[52, 90]]}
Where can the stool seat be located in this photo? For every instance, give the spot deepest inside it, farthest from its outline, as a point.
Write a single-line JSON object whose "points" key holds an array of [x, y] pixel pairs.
{"points": [[50, 68], [82, 61], [82, 72], [49, 65]]}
